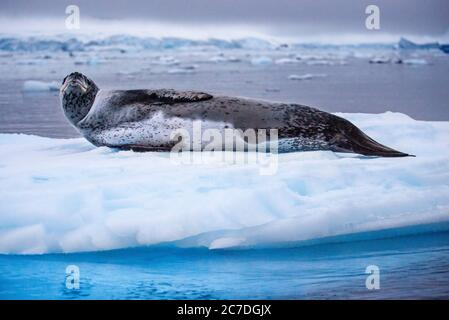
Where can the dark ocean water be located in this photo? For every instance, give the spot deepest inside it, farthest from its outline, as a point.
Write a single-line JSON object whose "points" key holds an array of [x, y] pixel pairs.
{"points": [[411, 267]]}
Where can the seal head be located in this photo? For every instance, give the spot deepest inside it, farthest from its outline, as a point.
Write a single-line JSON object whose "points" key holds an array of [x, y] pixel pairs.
{"points": [[77, 95]]}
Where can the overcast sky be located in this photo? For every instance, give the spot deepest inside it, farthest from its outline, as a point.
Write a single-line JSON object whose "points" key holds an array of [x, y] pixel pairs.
{"points": [[279, 17]]}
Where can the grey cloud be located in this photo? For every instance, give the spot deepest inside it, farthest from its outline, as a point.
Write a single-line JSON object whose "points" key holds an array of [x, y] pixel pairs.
{"points": [[281, 16]]}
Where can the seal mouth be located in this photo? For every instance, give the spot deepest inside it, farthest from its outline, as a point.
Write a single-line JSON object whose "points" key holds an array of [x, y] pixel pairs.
{"points": [[73, 84]]}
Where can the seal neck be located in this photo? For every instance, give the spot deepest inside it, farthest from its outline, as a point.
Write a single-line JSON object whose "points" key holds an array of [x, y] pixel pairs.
{"points": [[77, 106]]}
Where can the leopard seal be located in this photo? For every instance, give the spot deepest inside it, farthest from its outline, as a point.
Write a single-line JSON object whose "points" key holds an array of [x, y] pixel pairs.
{"points": [[143, 120]]}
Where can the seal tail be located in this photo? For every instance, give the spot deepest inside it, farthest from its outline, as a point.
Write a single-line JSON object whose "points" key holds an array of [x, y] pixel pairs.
{"points": [[352, 139]]}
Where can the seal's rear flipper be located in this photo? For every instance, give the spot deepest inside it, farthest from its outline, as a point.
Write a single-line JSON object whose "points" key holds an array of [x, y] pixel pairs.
{"points": [[352, 139]]}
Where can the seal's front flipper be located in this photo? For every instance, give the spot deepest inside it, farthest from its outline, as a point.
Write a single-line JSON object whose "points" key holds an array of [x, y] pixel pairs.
{"points": [[143, 148], [352, 139]]}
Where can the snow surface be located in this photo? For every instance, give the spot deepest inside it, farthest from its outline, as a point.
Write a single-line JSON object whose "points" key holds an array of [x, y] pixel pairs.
{"points": [[65, 195]]}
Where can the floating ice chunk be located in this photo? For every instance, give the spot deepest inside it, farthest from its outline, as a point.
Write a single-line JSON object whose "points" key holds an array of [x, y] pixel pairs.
{"points": [[307, 76], [286, 61], [414, 62], [385, 60], [167, 60], [218, 59], [380, 60], [180, 71], [326, 62], [234, 59], [223, 58], [36, 86], [261, 61]]}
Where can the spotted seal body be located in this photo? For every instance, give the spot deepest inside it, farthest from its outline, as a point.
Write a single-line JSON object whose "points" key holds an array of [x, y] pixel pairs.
{"points": [[146, 119]]}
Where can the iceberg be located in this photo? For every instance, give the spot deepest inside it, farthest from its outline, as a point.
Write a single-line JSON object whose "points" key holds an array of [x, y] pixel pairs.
{"points": [[65, 195], [407, 44], [42, 43], [124, 42]]}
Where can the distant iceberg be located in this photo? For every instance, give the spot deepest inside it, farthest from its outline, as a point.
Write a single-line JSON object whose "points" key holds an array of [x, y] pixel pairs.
{"points": [[407, 44], [124, 43], [32, 44], [261, 61]]}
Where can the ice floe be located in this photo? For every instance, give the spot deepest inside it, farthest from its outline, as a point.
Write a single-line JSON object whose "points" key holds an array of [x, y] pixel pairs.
{"points": [[65, 195]]}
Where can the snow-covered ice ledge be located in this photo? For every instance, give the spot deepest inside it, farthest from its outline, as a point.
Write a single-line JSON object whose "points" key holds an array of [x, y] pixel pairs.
{"points": [[66, 195]]}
